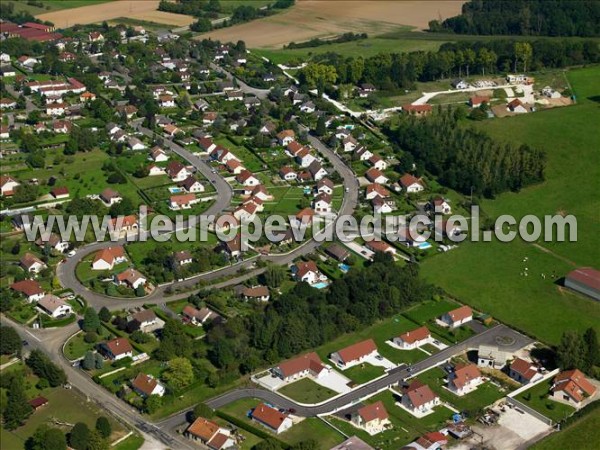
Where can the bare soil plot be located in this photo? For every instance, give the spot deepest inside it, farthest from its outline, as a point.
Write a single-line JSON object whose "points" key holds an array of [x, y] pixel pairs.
{"points": [[310, 18], [140, 9]]}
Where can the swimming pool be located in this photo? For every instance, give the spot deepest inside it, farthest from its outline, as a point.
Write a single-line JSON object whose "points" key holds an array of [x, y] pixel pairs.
{"points": [[321, 285], [175, 190], [344, 267], [424, 245]]}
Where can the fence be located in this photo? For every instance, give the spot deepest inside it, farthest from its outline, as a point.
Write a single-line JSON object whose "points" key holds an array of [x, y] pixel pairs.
{"points": [[510, 399]]}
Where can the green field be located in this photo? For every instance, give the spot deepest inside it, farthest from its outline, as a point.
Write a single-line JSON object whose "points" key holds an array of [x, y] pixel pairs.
{"points": [[386, 43], [576, 435], [363, 373], [306, 391], [133, 442], [488, 275], [537, 398], [53, 5]]}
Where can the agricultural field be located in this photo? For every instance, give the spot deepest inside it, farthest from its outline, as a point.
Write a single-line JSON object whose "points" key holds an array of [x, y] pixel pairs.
{"points": [[576, 435], [537, 303], [142, 10], [52, 5], [323, 19]]}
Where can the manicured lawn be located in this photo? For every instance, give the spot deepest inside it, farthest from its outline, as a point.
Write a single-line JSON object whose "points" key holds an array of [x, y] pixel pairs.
{"points": [[363, 373], [307, 391], [312, 428], [133, 442], [424, 312], [537, 398], [77, 347], [484, 395], [579, 435], [488, 275]]}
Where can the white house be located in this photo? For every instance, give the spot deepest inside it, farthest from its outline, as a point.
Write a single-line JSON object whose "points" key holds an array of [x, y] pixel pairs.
{"points": [[308, 365], [177, 171], [411, 184], [349, 143], [154, 170], [31, 263], [457, 317], [107, 258], [524, 372], [324, 186], [287, 173], [54, 306], [191, 185], [210, 434], [286, 136], [464, 379], [135, 144], [304, 157], [166, 101], [117, 349], [363, 153], [131, 278], [147, 385], [372, 418], [157, 154], [376, 176], [271, 418], [354, 354], [459, 84], [247, 178], [413, 339], [516, 106], [8, 185], [55, 109], [419, 398], [441, 206], [322, 204], [317, 172], [378, 163], [30, 289], [307, 272], [572, 387]]}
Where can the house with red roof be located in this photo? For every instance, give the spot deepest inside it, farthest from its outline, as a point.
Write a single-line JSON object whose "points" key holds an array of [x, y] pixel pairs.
{"points": [[516, 106], [30, 289], [430, 441], [524, 372], [572, 387], [107, 258], [464, 379], [210, 434], [53, 306], [271, 418], [198, 317], [411, 184], [116, 349], [247, 178], [147, 385], [308, 272], [286, 136], [8, 185], [131, 278], [419, 399], [380, 246], [372, 418], [417, 110], [376, 176], [308, 365], [413, 339], [457, 317], [182, 201], [354, 354]]}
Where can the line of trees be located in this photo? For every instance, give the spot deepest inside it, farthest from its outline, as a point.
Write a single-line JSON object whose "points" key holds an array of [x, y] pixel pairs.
{"points": [[579, 351], [525, 18], [317, 42], [391, 71], [465, 158]]}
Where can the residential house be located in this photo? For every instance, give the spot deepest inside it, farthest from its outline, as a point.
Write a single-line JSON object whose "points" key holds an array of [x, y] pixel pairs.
{"points": [[375, 190], [324, 186], [154, 170], [363, 153], [353, 443], [117, 349], [429, 441], [287, 173], [308, 107], [476, 101], [413, 339], [572, 387], [247, 178], [182, 201], [459, 84], [135, 144], [285, 137], [376, 176], [268, 128], [233, 95], [4, 132], [191, 185], [380, 246], [126, 224], [145, 320], [198, 316], [38, 402], [349, 143], [308, 365], [209, 117], [411, 184], [354, 354], [378, 163], [304, 157], [516, 78], [304, 217], [372, 418], [30, 289], [129, 111], [107, 258], [338, 253], [56, 108], [317, 172], [234, 166], [322, 204], [31, 263], [8, 185], [251, 102], [206, 144], [417, 110], [87, 97], [233, 246], [271, 418], [53, 306], [131, 277], [308, 272], [183, 257], [490, 356], [259, 293], [516, 106], [61, 126], [261, 192], [177, 171], [7, 103], [110, 197], [60, 192], [524, 372], [166, 101], [457, 317], [419, 398], [441, 206], [464, 379], [147, 385], [210, 434], [95, 36], [157, 154]]}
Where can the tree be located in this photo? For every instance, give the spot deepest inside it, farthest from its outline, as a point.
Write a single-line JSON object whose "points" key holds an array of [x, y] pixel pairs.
{"points": [[105, 315], [592, 351], [570, 352], [79, 436], [103, 426], [274, 275], [179, 373], [89, 361], [318, 75], [99, 361], [46, 438], [90, 337], [122, 208], [202, 410], [96, 441], [152, 403], [267, 444], [44, 368], [321, 127], [523, 53], [10, 341], [17, 409], [91, 321]]}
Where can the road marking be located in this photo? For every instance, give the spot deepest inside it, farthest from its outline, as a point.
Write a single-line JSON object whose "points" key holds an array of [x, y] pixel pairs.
{"points": [[32, 335]]}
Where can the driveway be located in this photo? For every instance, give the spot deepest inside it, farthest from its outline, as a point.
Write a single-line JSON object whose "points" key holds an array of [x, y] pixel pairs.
{"points": [[335, 381], [379, 361]]}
